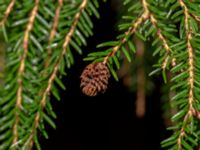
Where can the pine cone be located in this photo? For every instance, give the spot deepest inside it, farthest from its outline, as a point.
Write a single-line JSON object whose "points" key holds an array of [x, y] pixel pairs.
{"points": [[94, 79]]}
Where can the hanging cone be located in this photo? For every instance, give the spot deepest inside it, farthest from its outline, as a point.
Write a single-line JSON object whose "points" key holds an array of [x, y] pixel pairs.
{"points": [[94, 79]]}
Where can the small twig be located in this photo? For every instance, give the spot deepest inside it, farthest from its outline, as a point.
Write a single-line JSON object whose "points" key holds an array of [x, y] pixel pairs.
{"points": [[160, 36], [7, 12], [53, 30], [22, 70], [52, 77], [130, 31]]}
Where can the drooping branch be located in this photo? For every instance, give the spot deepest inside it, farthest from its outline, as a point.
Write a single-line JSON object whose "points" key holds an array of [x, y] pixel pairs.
{"points": [[52, 77], [21, 70], [190, 70]]}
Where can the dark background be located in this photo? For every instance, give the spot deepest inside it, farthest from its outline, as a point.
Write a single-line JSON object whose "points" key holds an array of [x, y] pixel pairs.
{"points": [[108, 121]]}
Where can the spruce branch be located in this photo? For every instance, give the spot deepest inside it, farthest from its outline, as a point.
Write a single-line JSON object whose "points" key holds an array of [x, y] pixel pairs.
{"points": [[22, 69], [162, 38], [191, 73], [186, 83], [129, 32], [7, 12], [53, 75]]}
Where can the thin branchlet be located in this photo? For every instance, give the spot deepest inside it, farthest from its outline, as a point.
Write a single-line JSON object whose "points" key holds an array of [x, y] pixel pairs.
{"points": [[7, 12], [130, 31], [21, 70], [190, 70], [52, 77], [53, 30], [160, 35]]}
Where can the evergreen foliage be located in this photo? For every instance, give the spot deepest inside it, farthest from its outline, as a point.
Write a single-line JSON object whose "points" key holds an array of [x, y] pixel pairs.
{"points": [[40, 39]]}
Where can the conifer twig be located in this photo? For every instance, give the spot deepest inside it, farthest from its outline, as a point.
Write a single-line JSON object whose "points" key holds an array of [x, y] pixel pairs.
{"points": [[160, 35], [190, 70], [130, 31], [52, 77], [21, 70], [53, 30], [7, 12]]}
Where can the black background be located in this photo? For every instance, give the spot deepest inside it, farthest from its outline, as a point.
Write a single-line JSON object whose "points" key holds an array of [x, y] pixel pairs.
{"points": [[108, 121]]}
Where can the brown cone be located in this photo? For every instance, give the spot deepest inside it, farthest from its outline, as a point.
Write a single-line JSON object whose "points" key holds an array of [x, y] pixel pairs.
{"points": [[94, 79]]}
